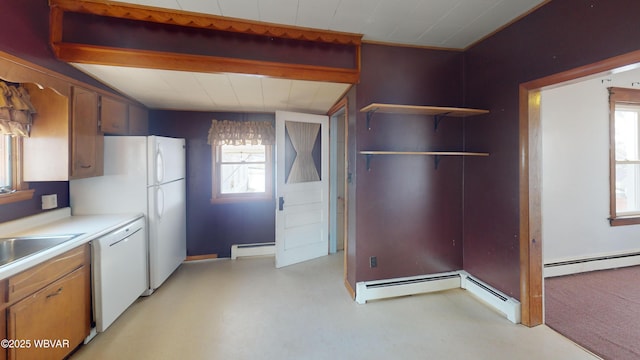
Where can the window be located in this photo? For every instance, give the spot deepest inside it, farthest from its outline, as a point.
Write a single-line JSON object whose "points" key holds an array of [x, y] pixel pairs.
{"points": [[6, 164], [242, 172], [242, 161], [12, 188], [625, 156]]}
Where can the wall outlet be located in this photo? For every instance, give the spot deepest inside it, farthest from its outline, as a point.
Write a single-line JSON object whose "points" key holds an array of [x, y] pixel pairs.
{"points": [[49, 201], [373, 261]]}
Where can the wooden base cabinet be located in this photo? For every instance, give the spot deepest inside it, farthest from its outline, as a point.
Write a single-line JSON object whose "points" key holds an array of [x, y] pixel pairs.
{"points": [[52, 321]]}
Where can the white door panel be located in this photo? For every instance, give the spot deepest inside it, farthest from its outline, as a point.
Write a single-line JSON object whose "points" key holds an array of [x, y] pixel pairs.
{"points": [[302, 189], [303, 217], [299, 237]]}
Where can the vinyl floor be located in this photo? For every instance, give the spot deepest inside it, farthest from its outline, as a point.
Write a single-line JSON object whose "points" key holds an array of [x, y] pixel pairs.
{"points": [[247, 309]]}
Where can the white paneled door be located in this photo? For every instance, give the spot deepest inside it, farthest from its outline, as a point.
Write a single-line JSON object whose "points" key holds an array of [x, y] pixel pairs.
{"points": [[302, 187]]}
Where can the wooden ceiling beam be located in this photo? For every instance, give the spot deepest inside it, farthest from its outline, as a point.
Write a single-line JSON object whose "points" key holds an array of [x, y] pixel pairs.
{"points": [[117, 56], [203, 21], [91, 54]]}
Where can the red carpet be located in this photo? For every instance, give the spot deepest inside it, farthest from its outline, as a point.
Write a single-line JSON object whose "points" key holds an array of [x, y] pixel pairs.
{"points": [[599, 310]]}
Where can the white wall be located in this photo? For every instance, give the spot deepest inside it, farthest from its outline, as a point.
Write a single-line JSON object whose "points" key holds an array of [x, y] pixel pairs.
{"points": [[575, 174]]}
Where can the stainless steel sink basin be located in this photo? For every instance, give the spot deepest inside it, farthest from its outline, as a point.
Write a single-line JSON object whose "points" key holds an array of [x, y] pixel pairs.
{"points": [[12, 249]]}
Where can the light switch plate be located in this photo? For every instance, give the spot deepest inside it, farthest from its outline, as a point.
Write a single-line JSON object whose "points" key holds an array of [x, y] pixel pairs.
{"points": [[49, 201]]}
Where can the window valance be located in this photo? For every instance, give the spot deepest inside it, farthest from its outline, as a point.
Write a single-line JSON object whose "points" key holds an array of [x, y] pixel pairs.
{"points": [[228, 132], [16, 110]]}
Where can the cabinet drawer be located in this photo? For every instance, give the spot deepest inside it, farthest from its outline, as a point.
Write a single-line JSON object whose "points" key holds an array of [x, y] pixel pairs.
{"points": [[33, 279], [60, 313]]}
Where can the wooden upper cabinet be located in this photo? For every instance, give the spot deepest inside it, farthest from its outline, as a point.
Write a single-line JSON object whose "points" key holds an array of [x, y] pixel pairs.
{"points": [[87, 141], [65, 141], [113, 116], [138, 120], [46, 151], [121, 118]]}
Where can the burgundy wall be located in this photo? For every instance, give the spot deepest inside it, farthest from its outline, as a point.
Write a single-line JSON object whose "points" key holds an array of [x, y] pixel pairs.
{"points": [[408, 214], [213, 228], [561, 35]]}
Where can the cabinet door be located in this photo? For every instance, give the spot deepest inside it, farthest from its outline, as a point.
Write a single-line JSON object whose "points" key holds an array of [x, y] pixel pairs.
{"points": [[138, 120], [59, 313], [35, 278], [46, 152], [3, 317], [87, 141], [113, 116]]}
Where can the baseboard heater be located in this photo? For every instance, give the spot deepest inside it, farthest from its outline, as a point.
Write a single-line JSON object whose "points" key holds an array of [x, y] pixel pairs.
{"points": [[257, 249], [383, 289], [505, 304], [603, 262]]}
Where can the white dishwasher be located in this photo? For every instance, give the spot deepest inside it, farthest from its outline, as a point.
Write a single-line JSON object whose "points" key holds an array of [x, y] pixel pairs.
{"points": [[119, 271]]}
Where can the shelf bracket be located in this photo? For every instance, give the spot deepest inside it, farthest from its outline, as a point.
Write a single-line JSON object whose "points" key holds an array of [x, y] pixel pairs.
{"points": [[369, 117], [437, 118], [368, 159], [436, 160]]}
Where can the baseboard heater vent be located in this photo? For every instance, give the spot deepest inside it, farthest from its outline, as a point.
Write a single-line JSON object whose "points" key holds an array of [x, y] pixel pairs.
{"points": [[579, 265], [509, 306], [384, 289], [257, 249]]}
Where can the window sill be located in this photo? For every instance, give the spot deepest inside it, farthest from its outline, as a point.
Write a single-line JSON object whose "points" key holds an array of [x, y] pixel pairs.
{"points": [[240, 199], [17, 196], [621, 221]]}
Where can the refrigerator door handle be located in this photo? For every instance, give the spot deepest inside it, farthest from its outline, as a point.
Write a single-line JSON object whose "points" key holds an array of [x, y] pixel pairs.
{"points": [[159, 202], [159, 165]]}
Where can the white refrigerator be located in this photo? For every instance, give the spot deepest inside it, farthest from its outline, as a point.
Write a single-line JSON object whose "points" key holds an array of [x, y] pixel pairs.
{"points": [[142, 175]]}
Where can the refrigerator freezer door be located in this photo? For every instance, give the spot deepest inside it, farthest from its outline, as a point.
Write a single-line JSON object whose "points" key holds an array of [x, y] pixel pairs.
{"points": [[166, 157], [167, 230]]}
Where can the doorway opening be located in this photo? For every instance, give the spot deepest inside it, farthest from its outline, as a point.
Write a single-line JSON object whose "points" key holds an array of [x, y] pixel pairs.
{"points": [[531, 257], [338, 190]]}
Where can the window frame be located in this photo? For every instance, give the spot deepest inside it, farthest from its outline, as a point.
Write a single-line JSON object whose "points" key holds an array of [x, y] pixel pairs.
{"points": [[22, 191], [217, 197], [617, 96]]}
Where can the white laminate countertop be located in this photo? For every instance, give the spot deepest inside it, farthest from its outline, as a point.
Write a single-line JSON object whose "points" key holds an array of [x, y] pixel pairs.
{"points": [[59, 222]]}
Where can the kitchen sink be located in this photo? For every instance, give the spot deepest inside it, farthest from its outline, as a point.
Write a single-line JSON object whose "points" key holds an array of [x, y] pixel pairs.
{"points": [[12, 249]]}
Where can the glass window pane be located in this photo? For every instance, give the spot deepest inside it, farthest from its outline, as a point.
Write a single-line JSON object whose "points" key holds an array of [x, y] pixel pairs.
{"points": [[242, 178], [627, 192], [626, 125], [243, 153], [5, 161]]}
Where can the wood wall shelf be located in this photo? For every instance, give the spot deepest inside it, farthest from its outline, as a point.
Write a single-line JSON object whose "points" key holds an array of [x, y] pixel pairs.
{"points": [[438, 112], [437, 154]]}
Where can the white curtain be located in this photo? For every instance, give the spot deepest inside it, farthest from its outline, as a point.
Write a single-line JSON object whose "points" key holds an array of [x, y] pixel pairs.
{"points": [[228, 132], [16, 110], [303, 137]]}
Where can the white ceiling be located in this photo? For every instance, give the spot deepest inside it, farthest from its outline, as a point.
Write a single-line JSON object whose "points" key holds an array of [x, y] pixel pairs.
{"points": [[179, 90], [454, 24]]}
